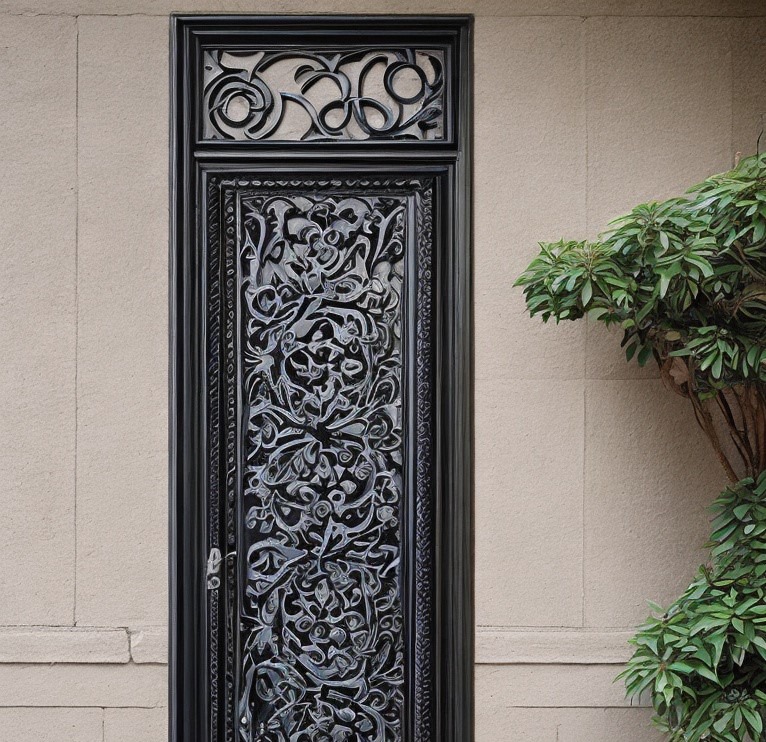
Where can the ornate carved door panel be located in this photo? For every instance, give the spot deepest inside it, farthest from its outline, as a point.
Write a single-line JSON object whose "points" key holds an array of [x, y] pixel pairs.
{"points": [[321, 468]]}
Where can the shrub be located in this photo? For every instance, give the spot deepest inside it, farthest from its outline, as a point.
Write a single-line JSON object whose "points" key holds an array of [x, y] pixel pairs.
{"points": [[704, 659], [685, 280]]}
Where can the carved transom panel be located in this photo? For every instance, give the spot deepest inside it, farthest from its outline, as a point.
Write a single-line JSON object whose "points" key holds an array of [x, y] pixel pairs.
{"points": [[343, 94]]}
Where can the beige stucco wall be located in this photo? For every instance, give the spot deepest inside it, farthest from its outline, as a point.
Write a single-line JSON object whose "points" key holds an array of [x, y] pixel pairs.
{"points": [[591, 480]]}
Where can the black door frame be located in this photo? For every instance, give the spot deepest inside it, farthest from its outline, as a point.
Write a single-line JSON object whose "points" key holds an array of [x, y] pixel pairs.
{"points": [[447, 160]]}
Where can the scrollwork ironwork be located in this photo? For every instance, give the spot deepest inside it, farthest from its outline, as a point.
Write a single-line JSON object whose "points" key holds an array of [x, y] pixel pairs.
{"points": [[318, 269], [321, 281], [321, 373], [303, 95]]}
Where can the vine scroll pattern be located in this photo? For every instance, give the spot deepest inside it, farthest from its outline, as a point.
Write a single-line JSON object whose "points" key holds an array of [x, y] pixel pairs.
{"points": [[322, 617], [304, 95]]}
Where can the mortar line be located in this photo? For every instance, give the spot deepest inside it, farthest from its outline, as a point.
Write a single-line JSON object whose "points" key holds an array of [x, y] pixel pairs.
{"points": [[76, 301], [87, 627], [586, 200], [92, 706], [584, 492], [556, 16]]}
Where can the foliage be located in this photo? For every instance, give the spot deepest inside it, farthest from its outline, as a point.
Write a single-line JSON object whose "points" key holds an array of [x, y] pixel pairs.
{"points": [[704, 660], [685, 278]]}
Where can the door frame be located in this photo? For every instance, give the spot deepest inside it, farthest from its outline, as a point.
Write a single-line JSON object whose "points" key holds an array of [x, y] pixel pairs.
{"points": [[190, 159]]}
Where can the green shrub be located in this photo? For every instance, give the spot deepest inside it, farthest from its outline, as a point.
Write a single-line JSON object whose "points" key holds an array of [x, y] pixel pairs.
{"points": [[704, 659], [685, 280]]}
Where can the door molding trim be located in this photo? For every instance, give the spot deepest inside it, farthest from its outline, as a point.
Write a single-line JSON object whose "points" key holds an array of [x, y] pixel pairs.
{"points": [[194, 157]]}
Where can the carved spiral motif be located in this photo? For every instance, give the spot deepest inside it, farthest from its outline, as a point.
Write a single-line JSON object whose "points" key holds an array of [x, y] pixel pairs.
{"points": [[322, 622], [308, 95]]}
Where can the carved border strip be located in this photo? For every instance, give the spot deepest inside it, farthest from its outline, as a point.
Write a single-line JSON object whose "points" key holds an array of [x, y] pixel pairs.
{"points": [[424, 559]]}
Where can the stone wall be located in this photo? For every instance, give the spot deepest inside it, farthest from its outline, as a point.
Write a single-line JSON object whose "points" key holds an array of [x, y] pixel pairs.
{"points": [[591, 480]]}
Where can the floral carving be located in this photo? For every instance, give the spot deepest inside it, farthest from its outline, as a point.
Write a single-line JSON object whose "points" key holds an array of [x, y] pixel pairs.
{"points": [[321, 294]]}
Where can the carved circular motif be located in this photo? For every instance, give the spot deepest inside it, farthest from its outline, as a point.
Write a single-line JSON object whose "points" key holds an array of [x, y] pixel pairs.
{"points": [[242, 104], [405, 83]]}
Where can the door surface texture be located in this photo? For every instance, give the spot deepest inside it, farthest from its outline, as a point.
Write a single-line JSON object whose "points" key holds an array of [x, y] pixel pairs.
{"points": [[321, 464]]}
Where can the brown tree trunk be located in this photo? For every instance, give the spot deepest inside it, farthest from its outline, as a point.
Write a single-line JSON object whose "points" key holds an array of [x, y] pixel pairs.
{"points": [[734, 420]]}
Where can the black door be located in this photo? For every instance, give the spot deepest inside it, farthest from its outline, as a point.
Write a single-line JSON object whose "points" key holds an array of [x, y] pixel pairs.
{"points": [[321, 568]]}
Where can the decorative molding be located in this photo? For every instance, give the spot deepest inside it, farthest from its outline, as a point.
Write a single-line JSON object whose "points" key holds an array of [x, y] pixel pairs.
{"points": [[149, 645], [55, 644], [500, 646], [423, 455]]}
